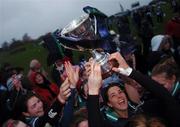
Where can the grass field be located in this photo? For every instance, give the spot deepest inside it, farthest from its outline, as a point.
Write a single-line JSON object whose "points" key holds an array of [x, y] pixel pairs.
{"points": [[33, 50], [23, 58]]}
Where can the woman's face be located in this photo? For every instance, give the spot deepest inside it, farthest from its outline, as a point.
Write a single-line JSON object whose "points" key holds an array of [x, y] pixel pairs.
{"points": [[34, 107], [117, 99], [39, 79]]}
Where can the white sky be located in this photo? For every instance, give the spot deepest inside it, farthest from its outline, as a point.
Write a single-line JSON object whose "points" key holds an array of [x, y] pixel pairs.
{"points": [[37, 17]]}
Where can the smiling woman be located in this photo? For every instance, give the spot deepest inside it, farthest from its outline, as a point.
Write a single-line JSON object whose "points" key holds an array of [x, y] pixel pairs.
{"points": [[117, 100]]}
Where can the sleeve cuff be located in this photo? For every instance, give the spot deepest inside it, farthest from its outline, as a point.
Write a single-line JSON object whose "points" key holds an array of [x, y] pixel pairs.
{"points": [[126, 71]]}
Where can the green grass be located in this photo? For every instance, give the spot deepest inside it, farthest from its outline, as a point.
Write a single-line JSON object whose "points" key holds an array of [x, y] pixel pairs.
{"points": [[22, 59]]}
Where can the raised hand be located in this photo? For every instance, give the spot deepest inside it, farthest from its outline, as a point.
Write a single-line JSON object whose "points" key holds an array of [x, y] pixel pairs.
{"points": [[88, 66], [95, 79], [64, 91], [121, 61], [123, 67], [72, 73]]}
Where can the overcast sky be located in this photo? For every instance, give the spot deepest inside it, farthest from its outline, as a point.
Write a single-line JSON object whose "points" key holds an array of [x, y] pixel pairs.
{"points": [[37, 17]]}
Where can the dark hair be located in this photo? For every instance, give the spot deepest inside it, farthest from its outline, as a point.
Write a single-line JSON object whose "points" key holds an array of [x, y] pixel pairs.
{"points": [[45, 84], [24, 99], [166, 39], [145, 121], [35, 84], [106, 89], [168, 66], [137, 120], [79, 116]]}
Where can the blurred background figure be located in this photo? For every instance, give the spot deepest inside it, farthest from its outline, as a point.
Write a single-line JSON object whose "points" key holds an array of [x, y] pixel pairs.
{"points": [[80, 118], [146, 33], [161, 48], [14, 123], [45, 89], [57, 72], [174, 5], [173, 29], [167, 74], [159, 14], [35, 66], [144, 121]]}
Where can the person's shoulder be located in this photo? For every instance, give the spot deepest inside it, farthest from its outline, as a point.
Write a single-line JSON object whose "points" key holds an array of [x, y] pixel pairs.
{"points": [[31, 120]]}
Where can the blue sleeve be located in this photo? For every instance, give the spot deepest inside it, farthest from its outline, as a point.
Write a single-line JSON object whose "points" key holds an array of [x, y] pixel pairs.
{"points": [[68, 110]]}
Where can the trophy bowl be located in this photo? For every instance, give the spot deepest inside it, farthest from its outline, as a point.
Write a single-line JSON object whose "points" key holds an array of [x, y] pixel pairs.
{"points": [[82, 28]]}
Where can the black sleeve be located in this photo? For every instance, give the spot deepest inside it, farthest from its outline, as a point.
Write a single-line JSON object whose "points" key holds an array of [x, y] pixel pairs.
{"points": [[172, 107], [51, 116], [94, 115]]}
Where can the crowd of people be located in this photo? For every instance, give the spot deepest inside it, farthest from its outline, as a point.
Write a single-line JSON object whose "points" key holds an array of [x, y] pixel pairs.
{"points": [[142, 88]]}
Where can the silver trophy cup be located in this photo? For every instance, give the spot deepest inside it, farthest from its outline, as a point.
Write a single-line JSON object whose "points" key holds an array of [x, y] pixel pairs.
{"points": [[83, 28]]}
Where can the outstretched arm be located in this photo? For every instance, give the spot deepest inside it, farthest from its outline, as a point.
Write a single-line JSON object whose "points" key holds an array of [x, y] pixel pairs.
{"points": [[172, 107], [52, 115], [94, 84], [73, 77]]}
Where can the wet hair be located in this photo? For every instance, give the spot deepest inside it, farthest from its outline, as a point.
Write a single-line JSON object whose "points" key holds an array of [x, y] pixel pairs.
{"points": [[168, 67], [106, 89]]}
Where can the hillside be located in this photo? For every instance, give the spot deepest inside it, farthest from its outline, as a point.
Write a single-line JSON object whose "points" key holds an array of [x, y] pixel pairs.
{"points": [[21, 58]]}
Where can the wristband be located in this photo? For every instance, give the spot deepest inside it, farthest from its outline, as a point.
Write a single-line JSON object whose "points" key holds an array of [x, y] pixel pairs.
{"points": [[126, 71]]}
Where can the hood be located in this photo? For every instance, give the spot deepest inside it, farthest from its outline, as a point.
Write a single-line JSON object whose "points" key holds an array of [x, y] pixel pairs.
{"points": [[156, 41]]}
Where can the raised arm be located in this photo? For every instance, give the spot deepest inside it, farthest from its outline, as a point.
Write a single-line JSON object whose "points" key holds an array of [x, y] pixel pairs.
{"points": [[73, 77], [52, 115], [94, 85], [172, 107]]}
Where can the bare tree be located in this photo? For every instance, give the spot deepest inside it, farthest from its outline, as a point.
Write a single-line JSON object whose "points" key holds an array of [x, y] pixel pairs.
{"points": [[26, 38]]}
